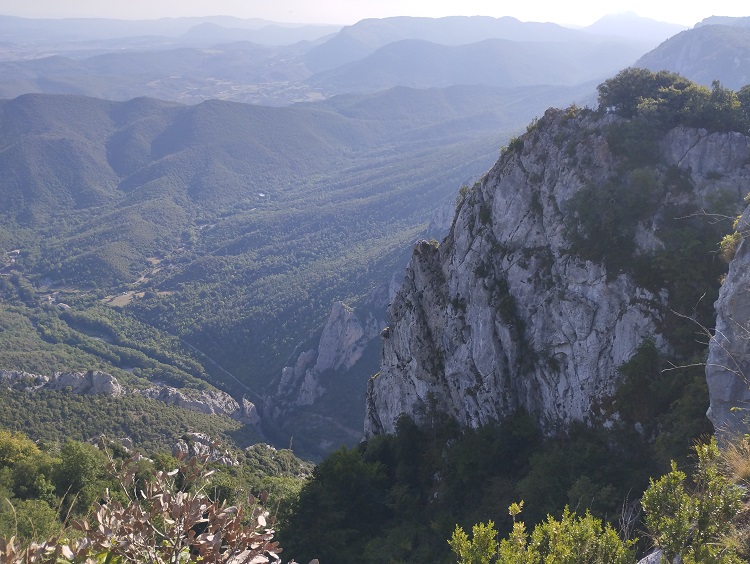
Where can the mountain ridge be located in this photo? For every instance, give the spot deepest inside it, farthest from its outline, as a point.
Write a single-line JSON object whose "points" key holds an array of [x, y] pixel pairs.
{"points": [[418, 63]]}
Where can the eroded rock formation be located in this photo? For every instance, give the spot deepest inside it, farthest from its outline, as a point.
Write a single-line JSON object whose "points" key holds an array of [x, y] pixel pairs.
{"points": [[506, 314], [95, 382]]}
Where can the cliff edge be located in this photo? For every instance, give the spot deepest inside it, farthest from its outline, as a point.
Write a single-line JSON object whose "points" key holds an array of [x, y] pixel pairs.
{"points": [[559, 263]]}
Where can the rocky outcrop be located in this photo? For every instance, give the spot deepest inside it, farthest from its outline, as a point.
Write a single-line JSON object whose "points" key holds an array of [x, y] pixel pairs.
{"points": [[341, 344], [200, 444], [320, 397], [19, 380], [95, 382], [728, 365], [505, 314], [212, 402], [92, 382], [348, 331], [708, 154]]}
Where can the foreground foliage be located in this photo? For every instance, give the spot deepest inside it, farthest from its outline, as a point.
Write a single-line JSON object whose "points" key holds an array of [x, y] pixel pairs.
{"points": [[106, 495], [692, 525], [695, 524], [571, 540], [168, 516], [397, 498]]}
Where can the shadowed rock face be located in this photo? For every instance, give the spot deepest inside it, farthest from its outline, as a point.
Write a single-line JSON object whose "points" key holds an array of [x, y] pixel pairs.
{"points": [[728, 366], [341, 344], [504, 315]]}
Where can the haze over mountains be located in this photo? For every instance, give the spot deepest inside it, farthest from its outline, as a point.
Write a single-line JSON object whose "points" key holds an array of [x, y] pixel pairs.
{"points": [[190, 60], [235, 227], [74, 33]]}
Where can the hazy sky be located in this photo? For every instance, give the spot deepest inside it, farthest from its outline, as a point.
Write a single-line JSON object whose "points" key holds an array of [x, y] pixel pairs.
{"points": [[350, 11]]}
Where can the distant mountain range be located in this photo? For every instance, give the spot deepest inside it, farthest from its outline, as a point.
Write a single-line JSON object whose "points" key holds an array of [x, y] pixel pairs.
{"points": [[494, 62], [14, 29], [367, 36], [633, 27], [725, 20], [190, 59]]}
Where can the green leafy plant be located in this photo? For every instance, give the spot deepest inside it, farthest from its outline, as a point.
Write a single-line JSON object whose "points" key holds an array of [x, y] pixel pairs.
{"points": [[168, 518], [728, 246], [571, 540], [693, 524], [482, 548]]}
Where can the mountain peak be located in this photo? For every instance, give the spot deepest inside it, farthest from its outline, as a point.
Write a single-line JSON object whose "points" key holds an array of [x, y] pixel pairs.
{"points": [[633, 26]]}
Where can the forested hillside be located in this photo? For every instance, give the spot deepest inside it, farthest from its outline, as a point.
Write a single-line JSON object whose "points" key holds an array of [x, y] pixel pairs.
{"points": [[205, 243]]}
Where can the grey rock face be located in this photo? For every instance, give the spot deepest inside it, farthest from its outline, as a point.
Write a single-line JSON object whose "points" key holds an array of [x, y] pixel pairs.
{"points": [[706, 153], [342, 342], [213, 402], [22, 380], [101, 383], [200, 444], [728, 365], [92, 382], [503, 315], [248, 413], [653, 558]]}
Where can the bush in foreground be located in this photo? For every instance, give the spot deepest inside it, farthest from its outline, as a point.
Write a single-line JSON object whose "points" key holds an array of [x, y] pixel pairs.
{"points": [[168, 518], [697, 521]]}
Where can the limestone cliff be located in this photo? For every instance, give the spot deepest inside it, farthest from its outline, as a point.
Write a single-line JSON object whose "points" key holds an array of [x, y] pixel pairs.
{"points": [[347, 333], [728, 366], [342, 341], [92, 382], [95, 382], [319, 399], [515, 310], [214, 402]]}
